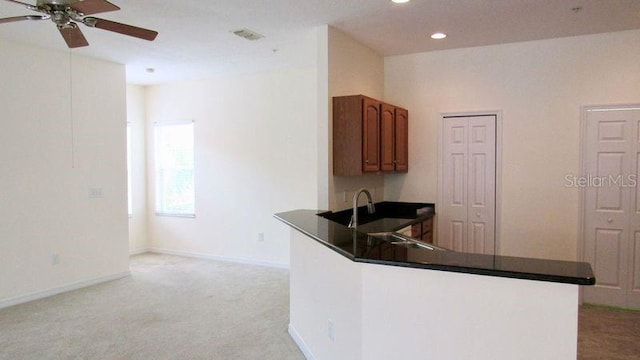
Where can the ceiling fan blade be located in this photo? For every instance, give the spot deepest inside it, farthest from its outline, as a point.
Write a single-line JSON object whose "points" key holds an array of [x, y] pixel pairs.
{"points": [[24, 17], [89, 7], [73, 36], [121, 28]]}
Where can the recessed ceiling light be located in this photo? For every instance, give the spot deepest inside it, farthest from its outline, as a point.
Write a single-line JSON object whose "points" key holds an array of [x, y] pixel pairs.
{"points": [[438, 36], [400, 1]]}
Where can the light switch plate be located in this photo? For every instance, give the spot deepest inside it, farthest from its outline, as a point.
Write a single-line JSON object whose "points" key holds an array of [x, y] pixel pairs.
{"points": [[95, 193]]}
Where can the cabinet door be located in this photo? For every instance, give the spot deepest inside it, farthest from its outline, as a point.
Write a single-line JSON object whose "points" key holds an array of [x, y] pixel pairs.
{"points": [[387, 137], [427, 231], [371, 135], [416, 230], [401, 140]]}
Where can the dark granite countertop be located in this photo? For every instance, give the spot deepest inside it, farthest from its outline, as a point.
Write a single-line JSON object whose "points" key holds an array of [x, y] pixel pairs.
{"points": [[359, 247]]}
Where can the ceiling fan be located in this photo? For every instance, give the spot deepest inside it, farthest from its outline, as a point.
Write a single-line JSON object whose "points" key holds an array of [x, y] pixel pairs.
{"points": [[67, 13]]}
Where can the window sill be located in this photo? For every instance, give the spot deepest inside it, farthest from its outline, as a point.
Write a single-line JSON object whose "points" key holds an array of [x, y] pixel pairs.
{"points": [[189, 216]]}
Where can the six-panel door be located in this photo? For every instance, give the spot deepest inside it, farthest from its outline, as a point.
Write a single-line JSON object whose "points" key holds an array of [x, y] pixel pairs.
{"points": [[467, 213], [612, 206]]}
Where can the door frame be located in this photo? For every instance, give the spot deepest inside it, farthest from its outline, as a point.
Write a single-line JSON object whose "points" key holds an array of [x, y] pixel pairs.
{"points": [[498, 176], [582, 211]]}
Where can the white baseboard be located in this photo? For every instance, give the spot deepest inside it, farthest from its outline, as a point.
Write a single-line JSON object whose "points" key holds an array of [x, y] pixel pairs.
{"points": [[301, 344], [61, 289], [198, 255], [139, 251]]}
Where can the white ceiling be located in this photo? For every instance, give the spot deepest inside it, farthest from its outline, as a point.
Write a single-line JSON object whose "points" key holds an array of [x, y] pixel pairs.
{"points": [[195, 38]]}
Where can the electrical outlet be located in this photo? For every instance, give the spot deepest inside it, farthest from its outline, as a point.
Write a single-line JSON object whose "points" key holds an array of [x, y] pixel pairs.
{"points": [[55, 259], [331, 330], [95, 193], [261, 237]]}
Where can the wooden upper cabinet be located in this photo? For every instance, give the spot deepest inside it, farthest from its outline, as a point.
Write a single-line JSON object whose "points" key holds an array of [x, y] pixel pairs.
{"points": [[394, 137], [368, 136], [347, 135], [387, 137], [371, 135], [401, 162]]}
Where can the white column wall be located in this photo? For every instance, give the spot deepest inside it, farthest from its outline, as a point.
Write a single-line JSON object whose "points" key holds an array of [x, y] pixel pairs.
{"points": [[352, 69], [63, 133], [136, 118]]}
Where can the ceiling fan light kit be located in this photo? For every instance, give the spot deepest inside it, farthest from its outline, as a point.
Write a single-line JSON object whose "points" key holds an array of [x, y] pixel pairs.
{"points": [[66, 14]]}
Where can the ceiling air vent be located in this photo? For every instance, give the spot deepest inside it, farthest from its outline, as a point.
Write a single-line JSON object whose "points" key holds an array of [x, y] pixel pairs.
{"points": [[248, 34]]}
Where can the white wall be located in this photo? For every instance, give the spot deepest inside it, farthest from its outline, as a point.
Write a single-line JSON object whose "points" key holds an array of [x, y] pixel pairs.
{"points": [[136, 118], [540, 87], [57, 142], [323, 118], [255, 153], [325, 286], [429, 314], [352, 69], [391, 312]]}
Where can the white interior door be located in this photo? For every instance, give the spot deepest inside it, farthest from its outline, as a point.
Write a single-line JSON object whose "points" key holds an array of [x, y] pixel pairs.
{"points": [[611, 240], [466, 214]]}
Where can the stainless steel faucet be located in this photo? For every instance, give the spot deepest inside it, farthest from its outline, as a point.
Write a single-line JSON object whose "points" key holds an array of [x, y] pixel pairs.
{"points": [[370, 207]]}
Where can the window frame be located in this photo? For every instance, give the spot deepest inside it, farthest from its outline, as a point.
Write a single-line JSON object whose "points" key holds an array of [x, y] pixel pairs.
{"points": [[157, 169], [129, 170]]}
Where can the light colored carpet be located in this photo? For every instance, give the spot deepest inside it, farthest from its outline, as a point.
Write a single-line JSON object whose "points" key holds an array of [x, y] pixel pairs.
{"points": [[170, 308]]}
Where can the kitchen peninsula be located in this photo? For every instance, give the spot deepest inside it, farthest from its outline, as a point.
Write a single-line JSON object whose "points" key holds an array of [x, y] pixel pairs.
{"points": [[357, 296]]}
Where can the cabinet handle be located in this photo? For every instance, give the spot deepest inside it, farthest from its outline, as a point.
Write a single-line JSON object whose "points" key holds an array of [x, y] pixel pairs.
{"points": [[609, 220], [366, 161]]}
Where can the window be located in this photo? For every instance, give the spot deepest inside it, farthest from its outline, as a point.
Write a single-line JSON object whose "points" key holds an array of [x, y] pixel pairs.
{"points": [[175, 190], [129, 196]]}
